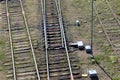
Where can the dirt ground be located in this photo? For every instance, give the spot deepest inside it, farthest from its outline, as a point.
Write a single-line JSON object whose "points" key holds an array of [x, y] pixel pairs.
{"points": [[75, 11], [34, 18], [72, 10], [81, 10]]}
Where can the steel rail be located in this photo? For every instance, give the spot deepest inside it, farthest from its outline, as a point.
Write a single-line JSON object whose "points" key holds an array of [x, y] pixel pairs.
{"points": [[107, 36], [30, 40], [61, 26], [103, 70], [63, 33], [118, 22], [11, 44], [45, 34], [42, 6]]}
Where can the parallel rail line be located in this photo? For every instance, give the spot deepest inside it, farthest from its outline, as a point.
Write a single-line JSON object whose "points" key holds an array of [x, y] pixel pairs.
{"points": [[112, 30], [111, 27], [58, 61], [20, 42]]}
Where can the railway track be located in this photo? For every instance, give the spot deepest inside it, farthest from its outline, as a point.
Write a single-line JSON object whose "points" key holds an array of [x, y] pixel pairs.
{"points": [[61, 65], [22, 56], [111, 27], [58, 60]]}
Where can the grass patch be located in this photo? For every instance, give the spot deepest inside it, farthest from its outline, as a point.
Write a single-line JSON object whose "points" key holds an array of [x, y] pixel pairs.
{"points": [[113, 59], [81, 63], [102, 57], [106, 49], [2, 43], [116, 78], [2, 56], [1, 60], [1, 68], [117, 7]]}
